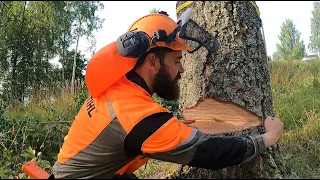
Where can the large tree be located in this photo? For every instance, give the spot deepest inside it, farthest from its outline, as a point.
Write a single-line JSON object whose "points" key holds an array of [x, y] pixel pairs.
{"points": [[290, 47], [314, 45], [238, 74]]}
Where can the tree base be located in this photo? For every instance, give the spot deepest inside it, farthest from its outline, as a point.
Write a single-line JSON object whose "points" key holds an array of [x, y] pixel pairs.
{"points": [[262, 167]]}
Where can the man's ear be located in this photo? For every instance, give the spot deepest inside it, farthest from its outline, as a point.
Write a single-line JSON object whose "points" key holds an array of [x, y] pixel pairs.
{"points": [[151, 61]]}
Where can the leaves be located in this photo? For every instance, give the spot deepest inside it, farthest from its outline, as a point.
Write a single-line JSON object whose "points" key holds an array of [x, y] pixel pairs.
{"points": [[34, 32], [154, 10], [290, 47], [85, 22], [314, 45]]}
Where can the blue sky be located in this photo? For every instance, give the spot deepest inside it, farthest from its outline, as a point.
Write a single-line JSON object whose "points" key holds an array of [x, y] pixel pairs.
{"points": [[119, 15]]}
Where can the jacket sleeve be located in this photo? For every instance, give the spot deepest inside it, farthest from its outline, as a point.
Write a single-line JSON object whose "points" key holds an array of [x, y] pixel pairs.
{"points": [[161, 136]]}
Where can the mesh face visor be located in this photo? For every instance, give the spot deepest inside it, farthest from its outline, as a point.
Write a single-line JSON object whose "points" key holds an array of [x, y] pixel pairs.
{"points": [[195, 35]]}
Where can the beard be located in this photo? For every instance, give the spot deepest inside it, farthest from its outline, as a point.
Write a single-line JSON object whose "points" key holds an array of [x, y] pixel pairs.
{"points": [[164, 87]]}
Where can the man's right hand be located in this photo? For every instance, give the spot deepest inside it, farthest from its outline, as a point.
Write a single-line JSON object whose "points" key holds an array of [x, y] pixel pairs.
{"points": [[274, 130]]}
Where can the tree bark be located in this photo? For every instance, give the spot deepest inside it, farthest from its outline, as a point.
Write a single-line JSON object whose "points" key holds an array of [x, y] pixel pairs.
{"points": [[238, 73]]}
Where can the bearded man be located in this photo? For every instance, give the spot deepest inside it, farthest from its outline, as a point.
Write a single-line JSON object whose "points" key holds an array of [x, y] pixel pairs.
{"points": [[117, 131]]}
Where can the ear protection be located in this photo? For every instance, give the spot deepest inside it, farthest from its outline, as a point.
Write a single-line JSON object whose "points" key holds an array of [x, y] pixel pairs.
{"points": [[133, 44]]}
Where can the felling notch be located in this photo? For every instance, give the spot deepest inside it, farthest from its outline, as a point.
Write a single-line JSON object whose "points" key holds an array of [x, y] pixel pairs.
{"points": [[215, 117]]}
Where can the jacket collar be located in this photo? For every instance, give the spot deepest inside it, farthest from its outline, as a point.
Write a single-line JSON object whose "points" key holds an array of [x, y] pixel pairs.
{"points": [[134, 77]]}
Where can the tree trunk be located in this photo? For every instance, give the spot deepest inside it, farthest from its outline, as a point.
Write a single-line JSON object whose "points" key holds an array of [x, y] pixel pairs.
{"points": [[75, 62], [63, 60], [15, 60], [238, 74]]}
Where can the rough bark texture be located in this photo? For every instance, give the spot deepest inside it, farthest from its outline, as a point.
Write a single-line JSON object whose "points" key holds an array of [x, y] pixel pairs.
{"points": [[238, 74]]}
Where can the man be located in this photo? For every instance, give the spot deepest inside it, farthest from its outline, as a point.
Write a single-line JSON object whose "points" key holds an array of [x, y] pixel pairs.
{"points": [[117, 131]]}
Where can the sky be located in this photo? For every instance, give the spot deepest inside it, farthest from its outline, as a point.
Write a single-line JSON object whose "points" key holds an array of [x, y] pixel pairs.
{"points": [[119, 15]]}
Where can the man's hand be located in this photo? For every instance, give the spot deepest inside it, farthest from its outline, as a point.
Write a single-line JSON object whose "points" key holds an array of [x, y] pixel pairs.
{"points": [[274, 130]]}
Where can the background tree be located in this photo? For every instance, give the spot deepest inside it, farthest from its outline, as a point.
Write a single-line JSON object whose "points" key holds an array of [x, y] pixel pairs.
{"points": [[290, 47], [275, 56], [154, 10], [63, 14], [314, 45], [80, 66], [238, 74], [85, 22], [34, 32]]}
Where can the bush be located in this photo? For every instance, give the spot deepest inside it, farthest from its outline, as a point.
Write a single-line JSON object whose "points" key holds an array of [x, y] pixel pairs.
{"points": [[172, 106], [80, 97], [34, 132]]}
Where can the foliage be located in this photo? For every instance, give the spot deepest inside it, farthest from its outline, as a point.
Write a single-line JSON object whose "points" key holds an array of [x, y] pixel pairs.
{"points": [[154, 10], [34, 132], [296, 99], [81, 97], [34, 32], [275, 56], [85, 22], [81, 64], [172, 106], [314, 45], [290, 47]]}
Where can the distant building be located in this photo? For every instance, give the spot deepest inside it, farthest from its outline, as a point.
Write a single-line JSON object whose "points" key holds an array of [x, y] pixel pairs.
{"points": [[310, 58]]}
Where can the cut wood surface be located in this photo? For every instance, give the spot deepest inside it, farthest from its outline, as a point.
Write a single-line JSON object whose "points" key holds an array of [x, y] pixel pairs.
{"points": [[215, 117]]}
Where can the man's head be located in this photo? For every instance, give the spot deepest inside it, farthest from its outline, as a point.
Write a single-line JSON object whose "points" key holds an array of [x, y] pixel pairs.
{"points": [[162, 32], [161, 68]]}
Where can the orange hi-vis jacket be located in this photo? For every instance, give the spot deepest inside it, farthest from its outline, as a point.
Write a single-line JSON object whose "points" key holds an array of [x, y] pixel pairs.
{"points": [[115, 133], [95, 144]]}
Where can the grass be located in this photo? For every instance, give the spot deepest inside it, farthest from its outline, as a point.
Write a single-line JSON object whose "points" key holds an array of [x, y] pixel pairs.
{"points": [[296, 93], [156, 169], [36, 131]]}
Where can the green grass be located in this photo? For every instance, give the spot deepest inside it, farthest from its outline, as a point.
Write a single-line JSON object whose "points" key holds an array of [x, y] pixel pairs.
{"points": [[296, 98], [36, 131], [156, 169]]}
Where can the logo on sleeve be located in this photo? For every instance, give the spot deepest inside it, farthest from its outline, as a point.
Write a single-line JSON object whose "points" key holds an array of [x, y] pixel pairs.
{"points": [[90, 106]]}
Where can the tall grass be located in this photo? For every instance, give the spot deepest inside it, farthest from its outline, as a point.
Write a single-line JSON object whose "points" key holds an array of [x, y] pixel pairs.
{"points": [[36, 131], [296, 97]]}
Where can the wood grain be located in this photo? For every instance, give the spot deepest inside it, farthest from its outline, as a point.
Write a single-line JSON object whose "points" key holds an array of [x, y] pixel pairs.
{"points": [[215, 117]]}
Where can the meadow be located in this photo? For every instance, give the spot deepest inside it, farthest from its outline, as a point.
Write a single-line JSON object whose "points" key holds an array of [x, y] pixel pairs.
{"points": [[35, 131]]}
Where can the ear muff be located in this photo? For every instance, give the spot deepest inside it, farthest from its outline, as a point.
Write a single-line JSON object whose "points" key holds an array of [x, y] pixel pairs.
{"points": [[133, 44]]}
